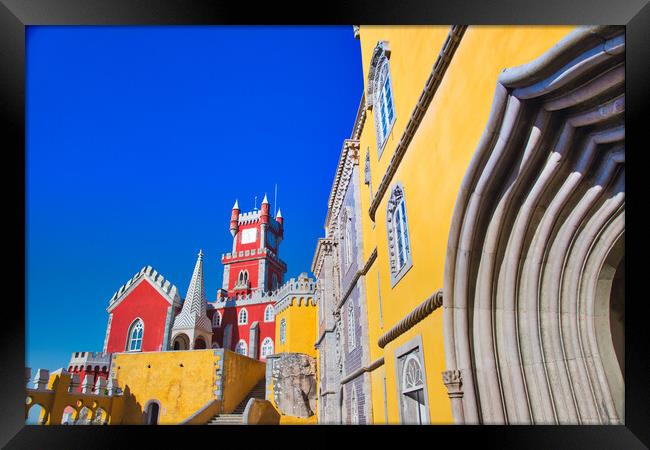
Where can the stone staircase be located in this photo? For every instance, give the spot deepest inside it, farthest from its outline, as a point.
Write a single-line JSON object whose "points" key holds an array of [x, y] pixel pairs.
{"points": [[236, 417]]}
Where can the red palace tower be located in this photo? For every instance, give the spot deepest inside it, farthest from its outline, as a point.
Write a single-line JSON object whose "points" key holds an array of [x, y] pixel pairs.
{"points": [[243, 318]]}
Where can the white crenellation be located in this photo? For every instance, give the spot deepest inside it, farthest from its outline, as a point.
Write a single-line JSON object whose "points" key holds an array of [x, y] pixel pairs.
{"points": [[167, 288]]}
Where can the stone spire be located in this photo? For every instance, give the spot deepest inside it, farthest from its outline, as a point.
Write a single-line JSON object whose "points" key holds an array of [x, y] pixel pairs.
{"points": [[266, 200], [193, 314]]}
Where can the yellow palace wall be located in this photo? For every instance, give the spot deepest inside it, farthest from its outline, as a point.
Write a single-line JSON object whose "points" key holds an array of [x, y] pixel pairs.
{"points": [[301, 332], [431, 173]]}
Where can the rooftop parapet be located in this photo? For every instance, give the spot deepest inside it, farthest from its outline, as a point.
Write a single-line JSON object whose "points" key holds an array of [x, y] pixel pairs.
{"points": [[303, 286], [156, 278]]}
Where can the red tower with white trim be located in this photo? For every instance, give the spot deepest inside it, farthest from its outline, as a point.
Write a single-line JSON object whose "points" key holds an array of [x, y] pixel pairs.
{"points": [[251, 273]]}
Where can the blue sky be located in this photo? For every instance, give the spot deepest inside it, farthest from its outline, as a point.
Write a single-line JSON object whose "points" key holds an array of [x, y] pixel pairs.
{"points": [[139, 139]]}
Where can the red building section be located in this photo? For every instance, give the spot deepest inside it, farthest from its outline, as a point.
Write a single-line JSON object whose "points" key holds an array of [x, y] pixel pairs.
{"points": [[148, 303], [95, 365]]}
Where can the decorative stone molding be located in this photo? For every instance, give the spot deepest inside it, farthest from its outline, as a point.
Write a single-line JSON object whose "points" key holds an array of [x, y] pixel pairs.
{"points": [[324, 248], [396, 197], [438, 71], [357, 275], [453, 380], [540, 208], [348, 159], [381, 52], [168, 290], [425, 308], [355, 31]]}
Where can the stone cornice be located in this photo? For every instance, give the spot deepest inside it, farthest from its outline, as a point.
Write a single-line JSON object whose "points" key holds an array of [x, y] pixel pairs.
{"points": [[435, 77], [323, 247], [369, 368], [348, 159], [420, 312]]}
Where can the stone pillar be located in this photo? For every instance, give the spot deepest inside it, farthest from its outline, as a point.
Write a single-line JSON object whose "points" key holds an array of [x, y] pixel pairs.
{"points": [[87, 385], [112, 387], [100, 384], [454, 383], [253, 337], [41, 378], [74, 382]]}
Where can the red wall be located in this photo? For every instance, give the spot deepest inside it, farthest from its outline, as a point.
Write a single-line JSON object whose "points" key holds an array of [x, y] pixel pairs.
{"points": [[230, 316], [253, 272], [149, 305], [94, 374]]}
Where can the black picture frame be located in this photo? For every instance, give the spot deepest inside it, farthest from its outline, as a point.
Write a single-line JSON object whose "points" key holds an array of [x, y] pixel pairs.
{"points": [[15, 15]]}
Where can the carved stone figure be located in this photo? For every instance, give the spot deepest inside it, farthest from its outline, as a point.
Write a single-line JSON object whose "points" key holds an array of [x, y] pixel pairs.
{"points": [[294, 384]]}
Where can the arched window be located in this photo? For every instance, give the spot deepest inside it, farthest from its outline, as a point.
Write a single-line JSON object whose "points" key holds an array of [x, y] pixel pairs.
{"points": [[413, 399], [241, 347], [267, 347], [351, 327], [135, 336], [283, 330], [216, 319], [398, 235], [268, 313], [346, 235], [354, 407], [243, 317], [381, 94]]}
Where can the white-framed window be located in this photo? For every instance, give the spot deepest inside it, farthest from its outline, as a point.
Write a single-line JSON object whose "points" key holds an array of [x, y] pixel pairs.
{"points": [[268, 313], [413, 400], [351, 326], [383, 104], [243, 317], [136, 332], [398, 235], [248, 235], [354, 407], [283, 330], [216, 319], [242, 278], [346, 235], [241, 347], [267, 347]]}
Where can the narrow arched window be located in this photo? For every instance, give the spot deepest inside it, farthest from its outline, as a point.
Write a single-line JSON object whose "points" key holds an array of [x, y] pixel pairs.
{"points": [[135, 336], [351, 327], [267, 347], [380, 96], [283, 330], [241, 347], [398, 235], [216, 319], [243, 317], [413, 400], [354, 409], [268, 313]]}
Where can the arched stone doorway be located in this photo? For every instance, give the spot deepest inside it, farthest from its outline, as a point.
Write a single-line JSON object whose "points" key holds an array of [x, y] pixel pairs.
{"points": [[151, 413], [181, 342], [199, 343], [534, 285]]}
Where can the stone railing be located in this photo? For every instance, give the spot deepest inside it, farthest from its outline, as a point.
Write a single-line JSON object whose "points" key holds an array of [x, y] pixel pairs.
{"points": [[98, 404]]}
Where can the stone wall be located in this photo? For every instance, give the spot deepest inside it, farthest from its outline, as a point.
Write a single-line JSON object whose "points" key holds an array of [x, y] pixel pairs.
{"points": [[293, 376]]}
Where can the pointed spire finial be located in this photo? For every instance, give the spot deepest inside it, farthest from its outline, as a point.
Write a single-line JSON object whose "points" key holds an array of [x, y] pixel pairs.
{"points": [[200, 253], [236, 205], [266, 200], [279, 213]]}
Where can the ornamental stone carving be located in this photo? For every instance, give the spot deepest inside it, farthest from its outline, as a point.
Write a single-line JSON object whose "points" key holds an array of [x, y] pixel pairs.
{"points": [[294, 384]]}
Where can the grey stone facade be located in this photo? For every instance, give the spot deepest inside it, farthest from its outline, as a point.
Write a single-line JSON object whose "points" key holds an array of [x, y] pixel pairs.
{"points": [[343, 331]]}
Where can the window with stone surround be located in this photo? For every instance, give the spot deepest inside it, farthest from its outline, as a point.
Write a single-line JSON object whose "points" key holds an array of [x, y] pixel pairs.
{"points": [[216, 319], [241, 347], [267, 347], [243, 317], [382, 95], [354, 407], [283, 330], [351, 327], [136, 332], [345, 228], [268, 313], [399, 246]]}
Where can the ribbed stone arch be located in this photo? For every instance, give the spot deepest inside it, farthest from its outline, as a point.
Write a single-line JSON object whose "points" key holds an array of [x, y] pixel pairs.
{"points": [[538, 214]]}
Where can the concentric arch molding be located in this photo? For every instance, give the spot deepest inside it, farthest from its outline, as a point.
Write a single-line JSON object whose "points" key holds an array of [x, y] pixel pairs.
{"points": [[537, 230]]}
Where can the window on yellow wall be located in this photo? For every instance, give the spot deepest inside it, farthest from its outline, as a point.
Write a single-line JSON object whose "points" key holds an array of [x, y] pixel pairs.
{"points": [[383, 107], [399, 246], [283, 330]]}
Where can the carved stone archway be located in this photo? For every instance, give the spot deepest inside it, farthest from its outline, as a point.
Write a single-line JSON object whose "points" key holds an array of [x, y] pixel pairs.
{"points": [[539, 213]]}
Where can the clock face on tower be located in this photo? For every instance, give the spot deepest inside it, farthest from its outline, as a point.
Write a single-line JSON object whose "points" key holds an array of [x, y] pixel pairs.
{"points": [[248, 235]]}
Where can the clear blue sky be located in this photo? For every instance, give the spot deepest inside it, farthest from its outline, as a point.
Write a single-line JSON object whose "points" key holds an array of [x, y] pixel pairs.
{"points": [[139, 139]]}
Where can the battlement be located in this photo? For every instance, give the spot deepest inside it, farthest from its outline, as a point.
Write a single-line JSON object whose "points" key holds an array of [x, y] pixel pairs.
{"points": [[253, 298], [249, 217], [254, 253], [90, 359], [156, 278], [303, 288]]}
